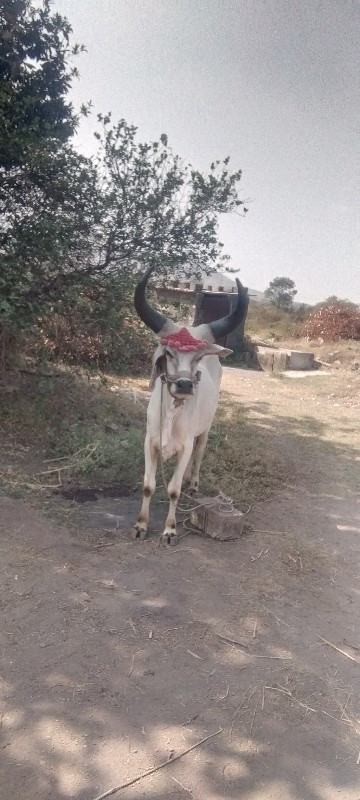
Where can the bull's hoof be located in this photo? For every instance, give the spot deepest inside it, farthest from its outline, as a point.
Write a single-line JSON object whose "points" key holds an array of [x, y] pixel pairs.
{"points": [[138, 533], [170, 538]]}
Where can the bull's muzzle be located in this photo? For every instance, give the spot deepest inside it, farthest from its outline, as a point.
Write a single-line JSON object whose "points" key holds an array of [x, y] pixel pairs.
{"points": [[184, 386]]}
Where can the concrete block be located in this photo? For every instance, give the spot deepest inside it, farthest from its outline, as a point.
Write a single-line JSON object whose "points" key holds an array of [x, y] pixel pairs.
{"points": [[272, 360], [280, 359], [301, 360], [213, 519]]}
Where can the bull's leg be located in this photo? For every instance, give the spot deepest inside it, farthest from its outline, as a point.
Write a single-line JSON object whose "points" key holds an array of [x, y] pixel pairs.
{"points": [[188, 470], [139, 531], [198, 452], [174, 491]]}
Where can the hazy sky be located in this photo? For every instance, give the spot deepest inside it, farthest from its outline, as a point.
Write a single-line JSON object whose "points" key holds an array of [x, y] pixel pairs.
{"points": [[273, 84]]}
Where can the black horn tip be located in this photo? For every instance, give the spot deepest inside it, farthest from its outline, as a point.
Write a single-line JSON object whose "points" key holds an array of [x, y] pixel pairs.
{"points": [[243, 290], [145, 277], [221, 327], [152, 318]]}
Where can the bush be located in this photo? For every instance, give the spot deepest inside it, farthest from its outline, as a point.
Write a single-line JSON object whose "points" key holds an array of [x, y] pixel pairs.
{"points": [[95, 328], [332, 321], [275, 323]]}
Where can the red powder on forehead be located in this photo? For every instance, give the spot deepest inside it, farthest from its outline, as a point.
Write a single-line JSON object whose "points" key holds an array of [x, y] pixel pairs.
{"points": [[184, 341]]}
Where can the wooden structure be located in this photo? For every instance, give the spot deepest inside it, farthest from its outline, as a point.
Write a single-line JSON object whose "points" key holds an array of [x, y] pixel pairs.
{"points": [[210, 306]]}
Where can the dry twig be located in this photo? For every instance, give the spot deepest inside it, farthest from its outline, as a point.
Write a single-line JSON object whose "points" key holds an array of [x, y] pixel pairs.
{"points": [[239, 709], [345, 716], [353, 646], [230, 640], [290, 694], [255, 558], [338, 649], [254, 715], [103, 544], [183, 787], [116, 789], [273, 658], [188, 721], [195, 655], [224, 696], [132, 665], [261, 530], [89, 451]]}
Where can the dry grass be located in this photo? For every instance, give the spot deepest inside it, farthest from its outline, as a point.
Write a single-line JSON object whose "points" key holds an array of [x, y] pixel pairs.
{"points": [[266, 321], [86, 431], [239, 458], [345, 352], [89, 432]]}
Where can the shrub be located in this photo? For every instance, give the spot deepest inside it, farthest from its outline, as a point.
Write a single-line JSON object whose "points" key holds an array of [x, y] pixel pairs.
{"points": [[334, 320]]}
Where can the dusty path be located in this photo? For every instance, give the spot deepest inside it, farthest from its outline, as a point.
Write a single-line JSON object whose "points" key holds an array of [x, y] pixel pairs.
{"points": [[112, 656]]}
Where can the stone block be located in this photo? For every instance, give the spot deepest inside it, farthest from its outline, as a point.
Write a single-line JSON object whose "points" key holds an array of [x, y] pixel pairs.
{"points": [[217, 520], [272, 359], [280, 359], [301, 360]]}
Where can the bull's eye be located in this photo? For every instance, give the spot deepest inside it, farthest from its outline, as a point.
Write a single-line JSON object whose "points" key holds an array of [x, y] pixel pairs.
{"points": [[169, 354]]}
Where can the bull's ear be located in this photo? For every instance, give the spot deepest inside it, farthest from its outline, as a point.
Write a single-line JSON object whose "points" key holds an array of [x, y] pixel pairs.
{"points": [[217, 350], [159, 367]]}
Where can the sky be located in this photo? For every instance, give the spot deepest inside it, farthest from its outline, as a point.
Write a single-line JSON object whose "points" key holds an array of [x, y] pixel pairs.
{"points": [[274, 84]]}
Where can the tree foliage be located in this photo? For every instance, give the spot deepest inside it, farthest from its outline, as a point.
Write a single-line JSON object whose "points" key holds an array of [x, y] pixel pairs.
{"points": [[156, 208], [35, 77], [68, 220], [71, 226], [45, 185], [281, 292]]}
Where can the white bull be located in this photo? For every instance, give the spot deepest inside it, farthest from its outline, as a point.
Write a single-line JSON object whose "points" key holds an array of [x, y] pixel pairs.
{"points": [[185, 390]]}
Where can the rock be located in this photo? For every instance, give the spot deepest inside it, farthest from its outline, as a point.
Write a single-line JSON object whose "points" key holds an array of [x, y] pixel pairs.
{"points": [[332, 357], [112, 427], [271, 359], [355, 366], [216, 521]]}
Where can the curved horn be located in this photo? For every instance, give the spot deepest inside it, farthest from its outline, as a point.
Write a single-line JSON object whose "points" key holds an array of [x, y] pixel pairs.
{"points": [[221, 327], [152, 318]]}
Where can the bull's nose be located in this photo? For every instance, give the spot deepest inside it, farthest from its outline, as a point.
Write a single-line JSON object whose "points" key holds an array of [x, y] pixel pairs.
{"points": [[184, 386]]}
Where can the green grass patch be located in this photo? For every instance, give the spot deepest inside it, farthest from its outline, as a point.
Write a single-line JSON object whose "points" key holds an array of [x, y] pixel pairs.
{"points": [[89, 433], [77, 429]]}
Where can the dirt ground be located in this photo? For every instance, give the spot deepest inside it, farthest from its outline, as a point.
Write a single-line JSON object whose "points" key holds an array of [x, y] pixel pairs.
{"points": [[117, 656]]}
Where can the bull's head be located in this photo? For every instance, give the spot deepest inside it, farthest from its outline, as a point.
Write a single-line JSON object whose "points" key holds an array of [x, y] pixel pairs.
{"points": [[181, 350]]}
